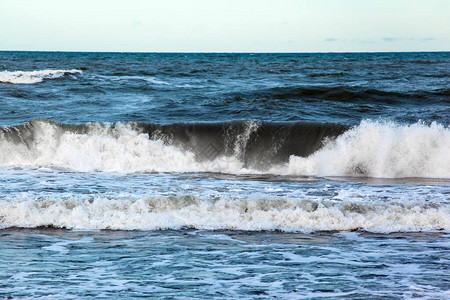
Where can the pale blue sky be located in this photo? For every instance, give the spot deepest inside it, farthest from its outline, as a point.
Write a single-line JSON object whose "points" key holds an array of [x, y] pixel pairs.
{"points": [[225, 26]]}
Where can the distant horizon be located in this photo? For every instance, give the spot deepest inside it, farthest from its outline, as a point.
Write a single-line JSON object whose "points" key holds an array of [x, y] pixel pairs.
{"points": [[230, 52]]}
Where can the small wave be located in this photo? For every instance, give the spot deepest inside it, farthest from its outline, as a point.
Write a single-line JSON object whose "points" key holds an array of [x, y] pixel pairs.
{"points": [[371, 149], [32, 77], [443, 92], [125, 77], [440, 75], [326, 74], [350, 94], [159, 213], [425, 62]]}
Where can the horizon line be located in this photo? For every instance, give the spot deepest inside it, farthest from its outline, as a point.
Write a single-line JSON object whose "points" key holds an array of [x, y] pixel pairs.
{"points": [[227, 52]]}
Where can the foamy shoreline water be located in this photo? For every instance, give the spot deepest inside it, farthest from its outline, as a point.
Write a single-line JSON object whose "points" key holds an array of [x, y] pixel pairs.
{"points": [[223, 264]]}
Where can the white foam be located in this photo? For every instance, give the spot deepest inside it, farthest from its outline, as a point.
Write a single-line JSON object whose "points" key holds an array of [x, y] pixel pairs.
{"points": [[31, 77], [154, 213]]}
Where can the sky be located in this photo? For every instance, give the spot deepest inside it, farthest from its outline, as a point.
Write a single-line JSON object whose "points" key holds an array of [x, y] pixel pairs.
{"points": [[225, 25]]}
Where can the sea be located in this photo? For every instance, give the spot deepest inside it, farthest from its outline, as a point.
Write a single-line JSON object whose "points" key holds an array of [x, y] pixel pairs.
{"points": [[224, 175]]}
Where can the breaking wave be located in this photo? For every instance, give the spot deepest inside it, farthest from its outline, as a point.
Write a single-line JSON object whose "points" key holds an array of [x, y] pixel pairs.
{"points": [[371, 149], [32, 77]]}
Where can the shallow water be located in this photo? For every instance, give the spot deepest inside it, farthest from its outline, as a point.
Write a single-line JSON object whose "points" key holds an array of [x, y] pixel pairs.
{"points": [[223, 264]]}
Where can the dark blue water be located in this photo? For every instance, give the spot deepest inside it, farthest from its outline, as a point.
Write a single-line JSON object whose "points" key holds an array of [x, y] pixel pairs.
{"points": [[224, 175], [173, 88]]}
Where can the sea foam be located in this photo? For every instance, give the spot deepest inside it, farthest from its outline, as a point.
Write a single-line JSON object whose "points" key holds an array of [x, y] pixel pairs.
{"points": [[31, 77]]}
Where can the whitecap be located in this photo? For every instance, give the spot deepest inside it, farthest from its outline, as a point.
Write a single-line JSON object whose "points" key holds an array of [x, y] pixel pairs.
{"points": [[32, 77]]}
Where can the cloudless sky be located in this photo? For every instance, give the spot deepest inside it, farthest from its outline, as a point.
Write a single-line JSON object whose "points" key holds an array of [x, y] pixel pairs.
{"points": [[225, 25]]}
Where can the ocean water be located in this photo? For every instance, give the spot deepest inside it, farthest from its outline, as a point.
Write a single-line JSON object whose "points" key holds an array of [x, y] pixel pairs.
{"points": [[185, 176]]}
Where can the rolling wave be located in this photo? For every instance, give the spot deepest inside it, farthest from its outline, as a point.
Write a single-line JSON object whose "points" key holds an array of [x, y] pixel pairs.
{"points": [[371, 149], [346, 94]]}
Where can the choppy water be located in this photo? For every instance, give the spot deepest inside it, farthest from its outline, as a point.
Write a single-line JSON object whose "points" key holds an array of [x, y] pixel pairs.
{"points": [[224, 175]]}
